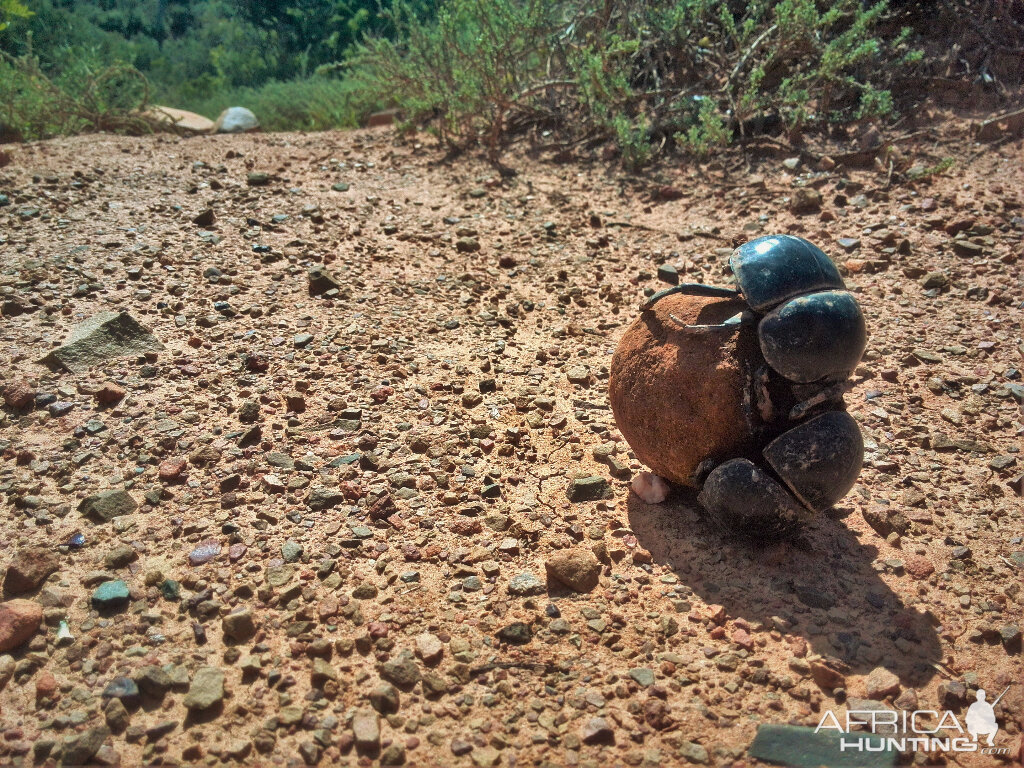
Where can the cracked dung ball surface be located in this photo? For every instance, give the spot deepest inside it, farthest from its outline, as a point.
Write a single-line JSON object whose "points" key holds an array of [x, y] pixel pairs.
{"points": [[677, 394]]}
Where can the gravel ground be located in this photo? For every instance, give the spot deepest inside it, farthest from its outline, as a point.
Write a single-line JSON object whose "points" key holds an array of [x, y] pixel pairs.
{"points": [[328, 516]]}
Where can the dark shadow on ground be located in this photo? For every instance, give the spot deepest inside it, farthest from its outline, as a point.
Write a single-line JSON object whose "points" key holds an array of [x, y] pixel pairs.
{"points": [[823, 583]]}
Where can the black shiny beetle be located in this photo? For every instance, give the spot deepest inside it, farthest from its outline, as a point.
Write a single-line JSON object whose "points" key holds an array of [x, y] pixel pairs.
{"points": [[811, 334]]}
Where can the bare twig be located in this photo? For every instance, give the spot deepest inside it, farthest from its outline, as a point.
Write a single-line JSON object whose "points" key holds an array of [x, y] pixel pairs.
{"points": [[746, 55]]}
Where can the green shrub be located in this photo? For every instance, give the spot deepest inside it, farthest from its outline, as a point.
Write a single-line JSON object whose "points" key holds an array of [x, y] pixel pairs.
{"points": [[87, 95], [707, 132], [648, 74], [469, 70], [11, 9]]}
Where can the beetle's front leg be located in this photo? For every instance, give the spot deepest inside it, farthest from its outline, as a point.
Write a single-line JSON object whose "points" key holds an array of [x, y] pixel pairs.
{"points": [[690, 289]]}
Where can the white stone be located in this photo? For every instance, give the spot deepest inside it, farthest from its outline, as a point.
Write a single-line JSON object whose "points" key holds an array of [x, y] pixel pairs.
{"points": [[237, 120], [651, 488]]}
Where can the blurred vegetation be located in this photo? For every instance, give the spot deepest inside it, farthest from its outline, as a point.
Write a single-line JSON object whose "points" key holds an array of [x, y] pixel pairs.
{"points": [[649, 75], [690, 74], [201, 55], [87, 95]]}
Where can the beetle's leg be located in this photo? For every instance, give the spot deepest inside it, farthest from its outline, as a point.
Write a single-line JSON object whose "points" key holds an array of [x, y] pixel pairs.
{"points": [[832, 394], [762, 397], [746, 316], [700, 474], [751, 414], [690, 289]]}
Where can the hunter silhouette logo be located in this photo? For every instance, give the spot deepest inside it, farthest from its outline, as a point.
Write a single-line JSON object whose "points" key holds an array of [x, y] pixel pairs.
{"points": [[887, 729], [981, 717]]}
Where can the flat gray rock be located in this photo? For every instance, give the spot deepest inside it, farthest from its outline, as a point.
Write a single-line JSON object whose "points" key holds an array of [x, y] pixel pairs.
{"points": [[80, 749], [207, 689], [102, 337], [798, 747], [107, 505]]}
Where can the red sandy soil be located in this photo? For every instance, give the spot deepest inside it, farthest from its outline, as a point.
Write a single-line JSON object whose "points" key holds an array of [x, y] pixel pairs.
{"points": [[472, 330]]}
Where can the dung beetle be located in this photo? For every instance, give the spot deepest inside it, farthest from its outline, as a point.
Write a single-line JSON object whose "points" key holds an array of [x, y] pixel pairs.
{"points": [[811, 333]]}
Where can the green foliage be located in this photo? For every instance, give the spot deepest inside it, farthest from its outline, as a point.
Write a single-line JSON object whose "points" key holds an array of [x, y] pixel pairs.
{"points": [[11, 9], [649, 75], [310, 33], [707, 132], [469, 67], [87, 96], [633, 140], [202, 55], [916, 174], [646, 73]]}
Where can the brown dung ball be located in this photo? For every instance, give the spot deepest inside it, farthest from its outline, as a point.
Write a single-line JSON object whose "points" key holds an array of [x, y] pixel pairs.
{"points": [[677, 393]]}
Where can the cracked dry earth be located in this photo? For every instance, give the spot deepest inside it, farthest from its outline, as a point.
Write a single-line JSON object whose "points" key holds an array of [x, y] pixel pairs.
{"points": [[335, 524]]}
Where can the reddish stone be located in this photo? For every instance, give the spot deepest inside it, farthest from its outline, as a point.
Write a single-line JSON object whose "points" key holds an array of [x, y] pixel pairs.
{"points": [[578, 568], [383, 508], [19, 620], [171, 469], [827, 677], [29, 568], [919, 567], [656, 713], [327, 608], [382, 393], [880, 683], [798, 646], [641, 556], [351, 491], [19, 394], [46, 686], [959, 225], [256, 362], [345, 741], [109, 394], [743, 639], [383, 118], [465, 526]]}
